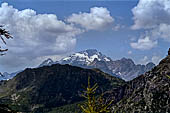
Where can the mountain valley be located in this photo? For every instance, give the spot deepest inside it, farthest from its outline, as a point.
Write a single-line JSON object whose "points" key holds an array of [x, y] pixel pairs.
{"points": [[57, 88]]}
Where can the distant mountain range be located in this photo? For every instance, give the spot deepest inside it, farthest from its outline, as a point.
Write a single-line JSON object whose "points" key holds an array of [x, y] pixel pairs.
{"points": [[7, 76], [125, 68], [56, 88]]}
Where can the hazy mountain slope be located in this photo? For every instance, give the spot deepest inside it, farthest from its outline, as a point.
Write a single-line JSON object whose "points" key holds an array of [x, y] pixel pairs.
{"points": [[7, 76], [52, 86]]}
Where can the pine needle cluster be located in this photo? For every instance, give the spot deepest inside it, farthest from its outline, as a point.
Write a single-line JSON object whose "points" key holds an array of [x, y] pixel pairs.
{"points": [[93, 104]]}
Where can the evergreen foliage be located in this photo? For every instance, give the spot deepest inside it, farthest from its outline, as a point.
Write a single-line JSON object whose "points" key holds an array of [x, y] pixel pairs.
{"points": [[4, 34], [168, 76], [94, 105]]}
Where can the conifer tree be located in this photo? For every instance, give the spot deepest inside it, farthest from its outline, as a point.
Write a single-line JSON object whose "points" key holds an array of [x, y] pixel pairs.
{"points": [[93, 104], [4, 34]]}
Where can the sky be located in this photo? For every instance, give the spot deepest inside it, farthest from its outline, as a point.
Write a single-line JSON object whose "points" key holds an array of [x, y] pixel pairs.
{"points": [[136, 29]]}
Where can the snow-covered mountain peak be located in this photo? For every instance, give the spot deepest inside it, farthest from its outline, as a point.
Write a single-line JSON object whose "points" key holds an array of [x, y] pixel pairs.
{"points": [[90, 52], [47, 62], [85, 57]]}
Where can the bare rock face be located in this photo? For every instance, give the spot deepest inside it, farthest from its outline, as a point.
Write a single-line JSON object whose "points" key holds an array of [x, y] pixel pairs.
{"points": [[169, 52], [149, 93]]}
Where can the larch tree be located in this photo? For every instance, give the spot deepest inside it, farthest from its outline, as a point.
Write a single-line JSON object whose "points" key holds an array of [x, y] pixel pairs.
{"points": [[4, 34]]}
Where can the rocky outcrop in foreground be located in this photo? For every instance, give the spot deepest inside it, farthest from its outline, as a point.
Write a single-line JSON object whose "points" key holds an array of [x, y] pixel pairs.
{"points": [[149, 93]]}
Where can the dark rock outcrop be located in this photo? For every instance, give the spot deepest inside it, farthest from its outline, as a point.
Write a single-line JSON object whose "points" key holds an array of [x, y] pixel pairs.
{"points": [[169, 51], [148, 93]]}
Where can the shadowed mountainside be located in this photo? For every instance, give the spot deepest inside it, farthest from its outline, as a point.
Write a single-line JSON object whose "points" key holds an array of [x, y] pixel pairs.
{"points": [[52, 86]]}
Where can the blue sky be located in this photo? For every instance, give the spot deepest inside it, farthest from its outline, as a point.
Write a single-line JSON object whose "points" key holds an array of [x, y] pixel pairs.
{"points": [[119, 30]]}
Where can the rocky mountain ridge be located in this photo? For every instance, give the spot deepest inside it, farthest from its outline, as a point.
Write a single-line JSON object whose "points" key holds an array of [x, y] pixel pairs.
{"points": [[124, 68], [148, 93]]}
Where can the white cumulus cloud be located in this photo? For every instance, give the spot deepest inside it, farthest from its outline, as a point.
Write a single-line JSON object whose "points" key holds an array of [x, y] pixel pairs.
{"points": [[129, 52], [144, 60], [97, 19], [163, 32], [156, 59], [35, 35], [153, 16], [151, 13], [144, 44]]}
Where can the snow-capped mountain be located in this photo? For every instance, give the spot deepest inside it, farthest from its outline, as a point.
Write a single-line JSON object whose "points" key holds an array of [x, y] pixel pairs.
{"points": [[91, 58], [47, 62], [84, 58]]}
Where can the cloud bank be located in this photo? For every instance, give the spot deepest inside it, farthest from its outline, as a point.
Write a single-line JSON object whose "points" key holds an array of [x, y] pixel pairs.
{"points": [[144, 44], [151, 13], [35, 35], [38, 36], [153, 16], [97, 19]]}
